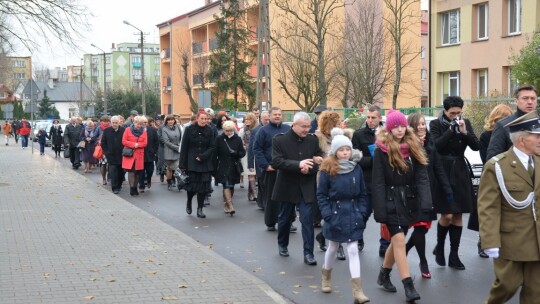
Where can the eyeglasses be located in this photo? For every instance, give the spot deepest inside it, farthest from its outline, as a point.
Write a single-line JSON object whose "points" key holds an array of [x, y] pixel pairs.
{"points": [[455, 113]]}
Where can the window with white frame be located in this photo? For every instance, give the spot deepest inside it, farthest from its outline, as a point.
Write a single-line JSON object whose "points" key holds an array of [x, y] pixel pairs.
{"points": [[19, 76], [19, 63], [482, 83], [423, 74], [422, 52], [135, 58], [156, 60], [3, 95], [513, 84], [450, 84], [450, 27], [482, 30], [514, 17], [157, 72]]}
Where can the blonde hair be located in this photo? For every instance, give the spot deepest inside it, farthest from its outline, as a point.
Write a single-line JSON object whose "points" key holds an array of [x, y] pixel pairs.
{"points": [[330, 165], [498, 113], [327, 121], [228, 125], [253, 118], [395, 159]]}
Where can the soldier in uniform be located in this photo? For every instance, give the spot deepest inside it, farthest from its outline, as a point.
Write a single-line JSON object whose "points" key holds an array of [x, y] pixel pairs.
{"points": [[509, 218], [296, 156]]}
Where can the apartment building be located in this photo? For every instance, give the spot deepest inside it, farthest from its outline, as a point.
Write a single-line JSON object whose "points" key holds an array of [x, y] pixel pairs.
{"points": [[122, 67], [16, 70], [471, 42]]}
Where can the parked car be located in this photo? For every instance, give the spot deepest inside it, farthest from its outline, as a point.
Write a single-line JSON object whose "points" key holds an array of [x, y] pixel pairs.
{"points": [[39, 124]]}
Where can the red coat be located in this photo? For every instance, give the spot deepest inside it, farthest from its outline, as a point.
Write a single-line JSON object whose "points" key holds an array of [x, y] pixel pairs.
{"points": [[24, 130], [129, 140]]}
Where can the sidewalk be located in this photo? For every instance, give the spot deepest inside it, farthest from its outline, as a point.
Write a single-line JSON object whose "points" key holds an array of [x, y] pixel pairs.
{"points": [[65, 239]]}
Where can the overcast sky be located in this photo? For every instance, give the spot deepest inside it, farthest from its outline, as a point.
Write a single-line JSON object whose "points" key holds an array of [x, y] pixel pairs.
{"points": [[108, 27]]}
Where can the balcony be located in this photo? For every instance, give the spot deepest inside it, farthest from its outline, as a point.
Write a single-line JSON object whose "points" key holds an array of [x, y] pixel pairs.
{"points": [[253, 71], [213, 44], [137, 77], [166, 54], [198, 79], [166, 81], [137, 64], [197, 47]]}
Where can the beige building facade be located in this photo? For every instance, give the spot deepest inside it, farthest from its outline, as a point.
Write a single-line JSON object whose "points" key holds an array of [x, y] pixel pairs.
{"points": [[471, 43]]}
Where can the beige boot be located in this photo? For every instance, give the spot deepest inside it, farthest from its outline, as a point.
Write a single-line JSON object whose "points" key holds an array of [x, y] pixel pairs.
{"points": [[358, 293], [252, 191], [231, 205], [326, 286], [227, 197]]}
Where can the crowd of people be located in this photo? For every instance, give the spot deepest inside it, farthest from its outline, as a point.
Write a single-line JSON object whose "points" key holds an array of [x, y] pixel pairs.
{"points": [[404, 172]]}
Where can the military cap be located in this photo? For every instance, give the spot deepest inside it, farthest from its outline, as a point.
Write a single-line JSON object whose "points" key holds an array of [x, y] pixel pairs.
{"points": [[526, 123]]}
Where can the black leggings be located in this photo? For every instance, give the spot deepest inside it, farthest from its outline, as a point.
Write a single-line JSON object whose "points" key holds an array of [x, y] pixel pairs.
{"points": [[200, 198], [418, 240]]}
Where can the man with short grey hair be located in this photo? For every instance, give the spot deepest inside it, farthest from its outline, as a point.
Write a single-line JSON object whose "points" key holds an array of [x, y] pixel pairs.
{"points": [[296, 156], [72, 137], [111, 143]]}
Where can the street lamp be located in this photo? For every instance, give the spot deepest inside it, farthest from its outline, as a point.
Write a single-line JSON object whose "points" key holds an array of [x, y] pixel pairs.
{"points": [[142, 65], [104, 79]]}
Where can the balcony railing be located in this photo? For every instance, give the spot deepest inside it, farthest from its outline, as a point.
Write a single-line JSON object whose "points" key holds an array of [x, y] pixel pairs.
{"points": [[137, 64], [137, 77], [198, 79], [166, 81], [166, 53]]}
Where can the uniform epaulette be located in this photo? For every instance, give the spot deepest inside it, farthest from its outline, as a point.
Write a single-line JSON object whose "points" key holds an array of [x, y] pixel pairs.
{"points": [[497, 158], [279, 134]]}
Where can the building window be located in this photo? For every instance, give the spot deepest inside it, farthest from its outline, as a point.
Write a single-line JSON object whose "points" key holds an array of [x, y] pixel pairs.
{"points": [[19, 76], [95, 61], [482, 11], [3, 95], [450, 27], [423, 74], [450, 84], [157, 72], [135, 59], [482, 83], [156, 60], [514, 17], [513, 84], [72, 112], [422, 52], [19, 63], [108, 73]]}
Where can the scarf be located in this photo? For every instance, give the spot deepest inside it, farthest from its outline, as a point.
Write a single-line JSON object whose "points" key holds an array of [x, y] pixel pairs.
{"points": [[346, 166], [403, 148], [444, 120], [89, 133], [136, 132], [104, 125]]}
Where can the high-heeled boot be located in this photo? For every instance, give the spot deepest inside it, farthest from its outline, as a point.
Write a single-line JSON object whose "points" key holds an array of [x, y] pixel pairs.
{"points": [[227, 200], [438, 251], [455, 239], [252, 191]]}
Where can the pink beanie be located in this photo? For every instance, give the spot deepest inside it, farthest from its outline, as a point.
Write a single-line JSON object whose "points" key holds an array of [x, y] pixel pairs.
{"points": [[394, 119]]}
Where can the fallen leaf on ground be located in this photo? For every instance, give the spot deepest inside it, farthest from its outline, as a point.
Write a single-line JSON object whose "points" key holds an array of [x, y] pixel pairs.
{"points": [[182, 286], [297, 286], [282, 273], [111, 280], [295, 292], [88, 297], [93, 270], [313, 286], [152, 272], [168, 298]]}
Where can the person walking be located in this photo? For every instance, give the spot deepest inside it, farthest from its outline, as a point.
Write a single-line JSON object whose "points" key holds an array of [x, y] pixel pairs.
{"points": [[42, 140], [229, 151], [250, 123], [507, 211], [104, 124], [24, 131], [196, 153], [90, 136], [55, 134], [15, 126], [400, 190], [451, 135], [296, 157], [134, 138], [342, 199], [259, 173], [150, 152], [72, 137], [111, 143], [171, 136], [440, 190], [6, 130]]}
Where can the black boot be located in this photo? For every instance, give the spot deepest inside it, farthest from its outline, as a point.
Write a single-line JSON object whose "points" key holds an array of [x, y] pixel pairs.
{"points": [[411, 293], [200, 213], [322, 241], [169, 185], [384, 280], [481, 252], [439, 248], [188, 207], [133, 191], [341, 253], [455, 238]]}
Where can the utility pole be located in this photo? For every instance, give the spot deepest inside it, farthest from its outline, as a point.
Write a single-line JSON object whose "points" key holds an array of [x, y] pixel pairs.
{"points": [[104, 80], [142, 66], [264, 79]]}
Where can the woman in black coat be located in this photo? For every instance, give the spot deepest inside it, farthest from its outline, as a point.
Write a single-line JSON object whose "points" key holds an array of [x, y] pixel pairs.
{"points": [[228, 154], [400, 193], [56, 136], [451, 135], [196, 154]]}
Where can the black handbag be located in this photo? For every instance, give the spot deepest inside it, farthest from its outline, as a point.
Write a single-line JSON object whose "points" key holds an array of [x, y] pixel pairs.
{"points": [[239, 167], [66, 152], [127, 152]]}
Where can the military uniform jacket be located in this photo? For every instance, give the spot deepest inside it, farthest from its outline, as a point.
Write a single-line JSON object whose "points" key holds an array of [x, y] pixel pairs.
{"points": [[514, 231], [288, 149]]}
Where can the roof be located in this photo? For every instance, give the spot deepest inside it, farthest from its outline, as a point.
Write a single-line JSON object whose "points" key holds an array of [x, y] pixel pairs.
{"points": [[62, 91], [173, 20]]}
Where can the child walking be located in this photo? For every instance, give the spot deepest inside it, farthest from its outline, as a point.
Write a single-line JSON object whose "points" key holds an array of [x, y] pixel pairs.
{"points": [[342, 199], [42, 140]]}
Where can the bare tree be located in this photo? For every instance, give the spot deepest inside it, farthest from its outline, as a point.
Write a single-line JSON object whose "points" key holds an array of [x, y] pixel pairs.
{"points": [[41, 73], [63, 20], [366, 68], [402, 19], [321, 23]]}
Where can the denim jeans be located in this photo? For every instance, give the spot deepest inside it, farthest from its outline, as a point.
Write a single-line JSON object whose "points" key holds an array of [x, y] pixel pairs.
{"points": [[24, 141]]}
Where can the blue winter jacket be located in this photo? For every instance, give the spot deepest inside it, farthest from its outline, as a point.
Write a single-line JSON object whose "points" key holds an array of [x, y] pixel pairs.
{"points": [[343, 202], [262, 147]]}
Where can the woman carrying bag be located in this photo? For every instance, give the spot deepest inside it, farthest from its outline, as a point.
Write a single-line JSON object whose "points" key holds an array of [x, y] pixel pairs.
{"points": [[134, 139]]}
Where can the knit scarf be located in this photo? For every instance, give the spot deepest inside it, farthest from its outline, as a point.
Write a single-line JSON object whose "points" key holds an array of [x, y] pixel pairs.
{"points": [[89, 133], [403, 148], [136, 132], [346, 166], [104, 125], [444, 120]]}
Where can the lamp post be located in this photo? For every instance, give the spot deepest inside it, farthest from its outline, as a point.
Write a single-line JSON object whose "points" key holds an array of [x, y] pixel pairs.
{"points": [[142, 66], [104, 79]]}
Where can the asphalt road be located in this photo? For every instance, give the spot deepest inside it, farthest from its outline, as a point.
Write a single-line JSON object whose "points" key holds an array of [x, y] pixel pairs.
{"points": [[244, 240]]}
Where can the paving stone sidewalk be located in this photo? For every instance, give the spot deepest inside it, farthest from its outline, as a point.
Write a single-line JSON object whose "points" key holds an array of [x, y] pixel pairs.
{"points": [[65, 239]]}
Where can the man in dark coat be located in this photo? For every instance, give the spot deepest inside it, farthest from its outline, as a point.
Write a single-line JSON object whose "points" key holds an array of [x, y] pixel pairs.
{"points": [[265, 119], [296, 156], [111, 143], [315, 122], [262, 149], [362, 139], [72, 137], [150, 152], [526, 100]]}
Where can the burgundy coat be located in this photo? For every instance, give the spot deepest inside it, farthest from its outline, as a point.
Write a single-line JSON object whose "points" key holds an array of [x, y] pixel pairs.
{"points": [[129, 140]]}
